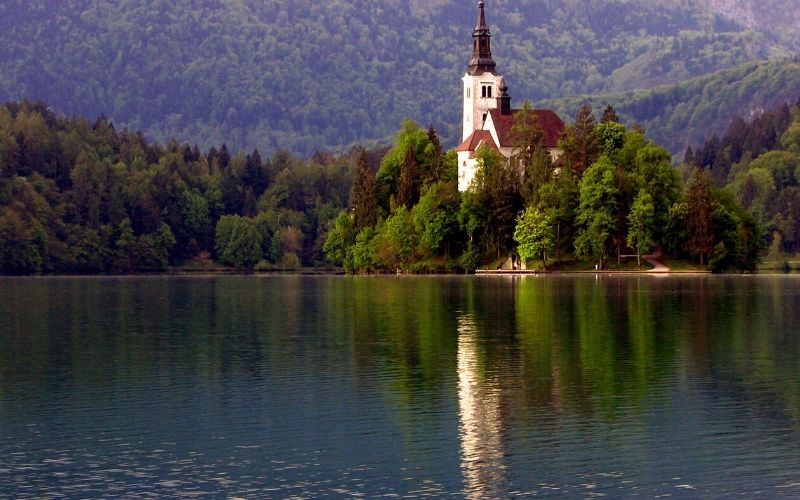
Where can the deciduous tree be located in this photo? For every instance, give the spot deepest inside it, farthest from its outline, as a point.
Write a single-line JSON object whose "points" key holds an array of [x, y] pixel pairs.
{"points": [[534, 235]]}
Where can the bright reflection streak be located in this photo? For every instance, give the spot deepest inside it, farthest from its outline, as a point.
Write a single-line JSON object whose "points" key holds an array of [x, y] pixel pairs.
{"points": [[481, 421]]}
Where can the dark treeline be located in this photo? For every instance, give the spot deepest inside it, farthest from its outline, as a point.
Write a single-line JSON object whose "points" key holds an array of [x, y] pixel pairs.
{"points": [[80, 197], [762, 134], [758, 165]]}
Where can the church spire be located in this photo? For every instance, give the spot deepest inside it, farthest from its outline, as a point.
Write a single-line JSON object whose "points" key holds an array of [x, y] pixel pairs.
{"points": [[481, 61]]}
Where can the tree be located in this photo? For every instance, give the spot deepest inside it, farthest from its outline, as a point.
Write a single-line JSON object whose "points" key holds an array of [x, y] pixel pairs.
{"points": [[194, 214], [495, 201], [18, 252], [361, 257], [397, 241], [560, 199], [255, 173], [611, 137], [641, 224], [408, 185], [609, 115], [700, 208], [436, 171], [526, 136], [580, 143], [435, 217], [534, 235], [238, 242], [410, 136], [529, 153], [688, 157], [654, 173], [124, 248], [598, 203], [362, 197], [340, 237]]}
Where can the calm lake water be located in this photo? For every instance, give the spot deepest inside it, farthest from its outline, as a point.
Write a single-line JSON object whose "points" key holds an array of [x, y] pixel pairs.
{"points": [[481, 387]]}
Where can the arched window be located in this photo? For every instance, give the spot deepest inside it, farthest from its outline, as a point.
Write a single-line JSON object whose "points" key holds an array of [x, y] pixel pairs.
{"points": [[488, 91], [483, 91], [467, 92]]}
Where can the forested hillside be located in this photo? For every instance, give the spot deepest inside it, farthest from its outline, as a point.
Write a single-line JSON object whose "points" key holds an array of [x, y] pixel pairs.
{"points": [[79, 196], [308, 75], [758, 163], [686, 113]]}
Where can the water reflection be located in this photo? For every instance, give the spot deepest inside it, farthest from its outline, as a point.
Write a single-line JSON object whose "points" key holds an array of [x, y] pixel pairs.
{"points": [[481, 433], [307, 387]]}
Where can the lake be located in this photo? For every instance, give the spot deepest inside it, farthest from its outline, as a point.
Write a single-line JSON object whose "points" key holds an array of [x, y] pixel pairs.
{"points": [[477, 387]]}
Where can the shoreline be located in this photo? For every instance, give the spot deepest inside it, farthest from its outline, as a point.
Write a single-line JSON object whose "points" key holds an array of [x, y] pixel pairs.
{"points": [[477, 274], [586, 272]]}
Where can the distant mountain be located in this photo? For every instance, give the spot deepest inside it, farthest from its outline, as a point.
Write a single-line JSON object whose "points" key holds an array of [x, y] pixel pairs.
{"points": [[689, 112], [308, 75]]}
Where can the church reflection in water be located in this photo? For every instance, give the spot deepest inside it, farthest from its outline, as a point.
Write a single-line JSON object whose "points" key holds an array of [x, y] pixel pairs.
{"points": [[481, 431]]}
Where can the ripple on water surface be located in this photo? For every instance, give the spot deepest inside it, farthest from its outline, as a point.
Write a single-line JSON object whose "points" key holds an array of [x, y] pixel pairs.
{"points": [[307, 387]]}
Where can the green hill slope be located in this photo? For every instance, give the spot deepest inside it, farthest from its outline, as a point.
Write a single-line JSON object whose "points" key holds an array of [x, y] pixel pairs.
{"points": [[308, 75], [686, 113]]}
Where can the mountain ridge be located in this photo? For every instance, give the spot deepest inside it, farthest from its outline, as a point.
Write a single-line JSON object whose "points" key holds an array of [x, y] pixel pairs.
{"points": [[684, 114], [309, 76]]}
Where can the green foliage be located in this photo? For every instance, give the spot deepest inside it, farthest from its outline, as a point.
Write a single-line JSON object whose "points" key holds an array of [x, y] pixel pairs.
{"points": [[397, 241], [700, 209], [534, 235], [580, 143], [84, 198], [435, 218], [763, 185], [611, 137], [598, 202], [413, 147], [641, 223], [19, 251], [238, 242], [362, 256], [471, 258], [363, 195], [340, 238], [629, 196], [493, 202]]}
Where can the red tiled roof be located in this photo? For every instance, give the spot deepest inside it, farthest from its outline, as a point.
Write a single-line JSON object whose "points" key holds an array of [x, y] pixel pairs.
{"points": [[474, 141], [552, 126]]}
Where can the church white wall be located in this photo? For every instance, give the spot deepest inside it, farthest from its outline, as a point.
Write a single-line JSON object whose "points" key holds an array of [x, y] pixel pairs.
{"points": [[467, 168], [475, 106]]}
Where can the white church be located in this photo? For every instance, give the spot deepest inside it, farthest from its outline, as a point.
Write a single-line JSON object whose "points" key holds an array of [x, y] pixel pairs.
{"points": [[488, 116]]}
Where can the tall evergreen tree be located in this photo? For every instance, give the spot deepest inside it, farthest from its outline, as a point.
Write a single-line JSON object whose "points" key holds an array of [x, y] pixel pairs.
{"points": [[408, 184], [688, 157], [581, 145], [436, 168], [362, 197], [609, 115], [530, 155], [699, 216]]}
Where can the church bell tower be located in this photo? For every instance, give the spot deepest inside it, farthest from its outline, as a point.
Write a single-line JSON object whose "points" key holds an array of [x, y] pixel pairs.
{"points": [[482, 81]]}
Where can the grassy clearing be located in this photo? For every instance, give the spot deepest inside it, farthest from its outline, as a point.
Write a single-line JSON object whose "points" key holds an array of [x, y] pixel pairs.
{"points": [[680, 265]]}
